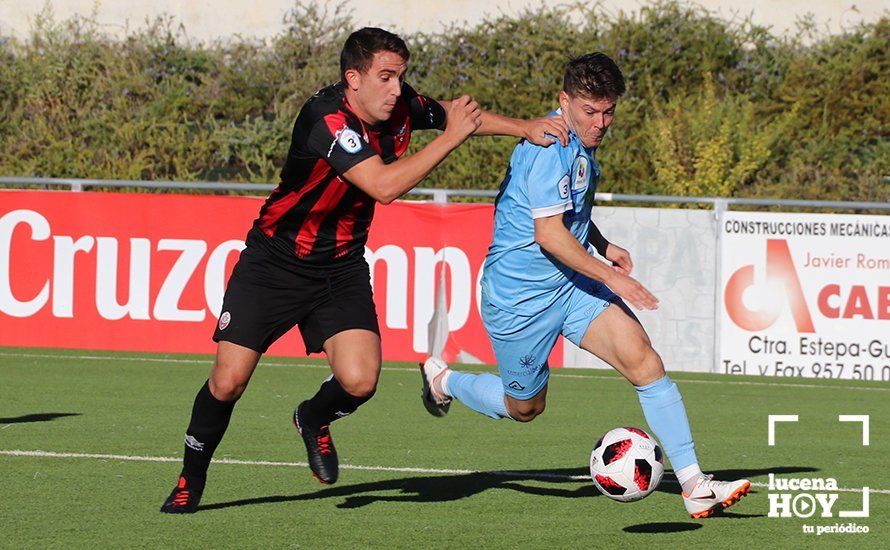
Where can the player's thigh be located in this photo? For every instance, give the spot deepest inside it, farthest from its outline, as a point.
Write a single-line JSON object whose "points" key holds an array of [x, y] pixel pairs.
{"points": [[261, 304], [522, 345], [584, 302], [344, 325], [255, 313], [354, 356], [617, 337]]}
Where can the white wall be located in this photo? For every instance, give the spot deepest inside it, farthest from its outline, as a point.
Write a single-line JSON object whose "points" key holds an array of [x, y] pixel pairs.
{"points": [[674, 252], [208, 19]]}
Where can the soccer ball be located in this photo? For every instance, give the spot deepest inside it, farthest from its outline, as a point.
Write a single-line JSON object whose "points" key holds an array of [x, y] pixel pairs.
{"points": [[626, 464]]}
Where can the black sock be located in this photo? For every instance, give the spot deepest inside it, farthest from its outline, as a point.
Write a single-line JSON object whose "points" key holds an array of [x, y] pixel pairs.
{"points": [[210, 418], [330, 403]]}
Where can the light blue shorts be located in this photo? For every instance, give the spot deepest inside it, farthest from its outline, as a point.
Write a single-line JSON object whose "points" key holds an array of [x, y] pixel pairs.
{"points": [[522, 343]]}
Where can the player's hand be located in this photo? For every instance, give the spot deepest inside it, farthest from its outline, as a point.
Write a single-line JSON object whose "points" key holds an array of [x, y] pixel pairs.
{"points": [[463, 118], [537, 130], [631, 290], [620, 259]]}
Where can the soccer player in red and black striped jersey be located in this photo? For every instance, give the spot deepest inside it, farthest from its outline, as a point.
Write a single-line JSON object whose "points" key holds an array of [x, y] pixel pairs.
{"points": [[304, 260]]}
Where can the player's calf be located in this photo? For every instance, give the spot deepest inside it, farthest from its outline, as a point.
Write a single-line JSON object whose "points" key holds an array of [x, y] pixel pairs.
{"points": [[484, 392]]}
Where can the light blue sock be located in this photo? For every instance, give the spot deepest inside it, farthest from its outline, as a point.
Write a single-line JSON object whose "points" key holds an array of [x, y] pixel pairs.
{"points": [[484, 393], [666, 415]]}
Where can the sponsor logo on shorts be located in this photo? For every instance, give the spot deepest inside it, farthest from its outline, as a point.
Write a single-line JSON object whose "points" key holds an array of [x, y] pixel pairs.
{"points": [[516, 386], [224, 320], [527, 366]]}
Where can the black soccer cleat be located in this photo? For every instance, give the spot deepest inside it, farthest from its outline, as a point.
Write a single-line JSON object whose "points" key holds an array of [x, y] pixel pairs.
{"points": [[320, 449], [185, 496]]}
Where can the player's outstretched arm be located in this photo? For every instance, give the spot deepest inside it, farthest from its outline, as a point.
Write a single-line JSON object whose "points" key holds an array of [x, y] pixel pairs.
{"points": [[552, 236], [536, 130], [387, 182], [540, 131]]}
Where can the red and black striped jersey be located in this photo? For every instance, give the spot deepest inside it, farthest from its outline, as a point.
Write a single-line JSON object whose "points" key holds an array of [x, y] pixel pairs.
{"points": [[315, 217]]}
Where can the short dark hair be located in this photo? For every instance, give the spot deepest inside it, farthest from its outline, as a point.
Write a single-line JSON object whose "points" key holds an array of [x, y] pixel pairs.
{"points": [[359, 49], [593, 75]]}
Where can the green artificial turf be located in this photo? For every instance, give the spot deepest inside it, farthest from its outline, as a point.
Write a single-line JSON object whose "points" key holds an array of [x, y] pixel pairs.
{"points": [[408, 479]]}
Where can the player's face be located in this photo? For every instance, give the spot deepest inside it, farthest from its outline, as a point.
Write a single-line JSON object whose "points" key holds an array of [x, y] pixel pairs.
{"points": [[376, 91], [589, 118]]}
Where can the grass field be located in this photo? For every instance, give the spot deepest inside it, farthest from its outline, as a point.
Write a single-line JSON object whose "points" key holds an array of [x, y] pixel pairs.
{"points": [[407, 479]]}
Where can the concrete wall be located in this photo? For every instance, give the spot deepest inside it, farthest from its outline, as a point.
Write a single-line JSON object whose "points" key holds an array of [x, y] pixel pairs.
{"points": [[208, 19], [675, 254]]}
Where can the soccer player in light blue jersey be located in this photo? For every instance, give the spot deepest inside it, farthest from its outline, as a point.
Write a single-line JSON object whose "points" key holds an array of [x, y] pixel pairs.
{"points": [[540, 281]]}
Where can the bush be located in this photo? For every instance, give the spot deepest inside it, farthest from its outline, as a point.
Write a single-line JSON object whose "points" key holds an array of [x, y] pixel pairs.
{"points": [[713, 108], [702, 145]]}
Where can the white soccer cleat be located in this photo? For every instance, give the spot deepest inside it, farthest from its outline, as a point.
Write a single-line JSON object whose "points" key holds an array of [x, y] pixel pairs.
{"points": [[431, 372], [710, 496]]}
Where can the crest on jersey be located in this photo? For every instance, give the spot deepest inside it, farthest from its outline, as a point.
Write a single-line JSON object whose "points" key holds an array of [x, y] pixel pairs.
{"points": [[580, 171], [349, 140]]}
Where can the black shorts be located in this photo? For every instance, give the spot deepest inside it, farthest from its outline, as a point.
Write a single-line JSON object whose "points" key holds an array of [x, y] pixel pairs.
{"points": [[264, 300]]}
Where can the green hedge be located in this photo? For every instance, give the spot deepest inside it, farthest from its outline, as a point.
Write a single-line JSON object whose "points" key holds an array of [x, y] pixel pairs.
{"points": [[713, 107]]}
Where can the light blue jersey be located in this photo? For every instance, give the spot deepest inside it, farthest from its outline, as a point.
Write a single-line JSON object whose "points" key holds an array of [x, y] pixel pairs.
{"points": [[540, 182], [529, 298]]}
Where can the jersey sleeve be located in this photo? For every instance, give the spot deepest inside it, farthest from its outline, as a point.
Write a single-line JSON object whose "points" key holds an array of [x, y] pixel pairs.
{"points": [[548, 184], [426, 113], [333, 139]]}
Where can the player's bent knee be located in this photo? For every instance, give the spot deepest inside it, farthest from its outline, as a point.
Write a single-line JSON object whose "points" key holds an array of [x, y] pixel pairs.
{"points": [[525, 411], [524, 417], [226, 388], [646, 367], [364, 385]]}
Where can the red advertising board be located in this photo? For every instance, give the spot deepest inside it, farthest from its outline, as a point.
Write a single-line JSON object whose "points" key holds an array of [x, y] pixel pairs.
{"points": [[147, 272]]}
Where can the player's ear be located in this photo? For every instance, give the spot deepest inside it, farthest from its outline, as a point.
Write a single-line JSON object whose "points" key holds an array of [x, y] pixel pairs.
{"points": [[352, 78], [563, 100]]}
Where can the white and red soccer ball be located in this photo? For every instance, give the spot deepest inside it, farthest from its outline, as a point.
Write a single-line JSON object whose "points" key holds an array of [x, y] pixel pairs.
{"points": [[626, 464]]}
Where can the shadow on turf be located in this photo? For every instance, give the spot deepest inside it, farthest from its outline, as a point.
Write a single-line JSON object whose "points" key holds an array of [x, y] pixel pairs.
{"points": [[667, 527], [440, 488], [36, 417], [679, 526], [445, 488]]}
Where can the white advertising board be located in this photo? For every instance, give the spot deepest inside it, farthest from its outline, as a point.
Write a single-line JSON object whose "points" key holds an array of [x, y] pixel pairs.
{"points": [[805, 295]]}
